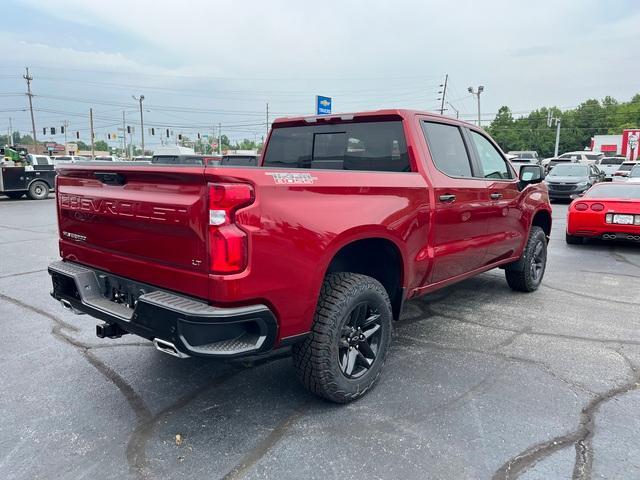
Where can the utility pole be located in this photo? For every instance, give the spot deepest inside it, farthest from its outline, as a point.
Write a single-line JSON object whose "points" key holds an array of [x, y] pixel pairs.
{"points": [[443, 92], [477, 94], [124, 136], [66, 127], [557, 121], [10, 133], [267, 118], [219, 139], [28, 78], [141, 99], [93, 153]]}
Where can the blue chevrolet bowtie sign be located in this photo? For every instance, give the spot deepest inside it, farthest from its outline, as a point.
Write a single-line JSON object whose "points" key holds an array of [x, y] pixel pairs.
{"points": [[323, 105]]}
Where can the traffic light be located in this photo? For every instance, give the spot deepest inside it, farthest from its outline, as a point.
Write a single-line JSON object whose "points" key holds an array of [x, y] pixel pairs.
{"points": [[199, 136], [128, 128], [152, 131], [179, 136], [44, 130], [167, 133], [62, 129], [77, 135], [53, 130]]}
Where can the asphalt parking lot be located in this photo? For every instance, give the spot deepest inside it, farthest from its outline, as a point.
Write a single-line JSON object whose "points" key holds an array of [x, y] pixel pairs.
{"points": [[481, 383]]}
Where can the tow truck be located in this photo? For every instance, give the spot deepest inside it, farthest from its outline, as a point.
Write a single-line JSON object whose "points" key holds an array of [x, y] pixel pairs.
{"points": [[30, 175]]}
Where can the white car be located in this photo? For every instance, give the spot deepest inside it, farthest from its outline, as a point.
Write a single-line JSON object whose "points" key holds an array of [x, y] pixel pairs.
{"points": [[530, 155], [624, 172], [69, 159], [634, 174], [107, 158], [610, 165], [584, 156]]}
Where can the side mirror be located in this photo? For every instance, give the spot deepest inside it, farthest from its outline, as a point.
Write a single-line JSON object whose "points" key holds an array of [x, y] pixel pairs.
{"points": [[530, 174]]}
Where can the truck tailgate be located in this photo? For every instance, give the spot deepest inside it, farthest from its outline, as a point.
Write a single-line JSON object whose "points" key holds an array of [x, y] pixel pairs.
{"points": [[143, 222]]}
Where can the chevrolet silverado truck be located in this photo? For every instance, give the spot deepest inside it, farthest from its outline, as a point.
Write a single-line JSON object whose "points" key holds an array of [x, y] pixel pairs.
{"points": [[317, 247]]}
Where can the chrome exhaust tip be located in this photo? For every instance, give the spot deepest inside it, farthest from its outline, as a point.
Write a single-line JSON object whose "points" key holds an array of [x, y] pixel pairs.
{"points": [[67, 306], [168, 348]]}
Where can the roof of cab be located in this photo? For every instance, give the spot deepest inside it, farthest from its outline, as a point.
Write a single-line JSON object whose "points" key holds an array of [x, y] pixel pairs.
{"points": [[348, 116]]}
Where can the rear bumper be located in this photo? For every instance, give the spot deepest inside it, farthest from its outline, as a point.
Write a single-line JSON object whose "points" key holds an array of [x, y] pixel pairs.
{"points": [[193, 326]]}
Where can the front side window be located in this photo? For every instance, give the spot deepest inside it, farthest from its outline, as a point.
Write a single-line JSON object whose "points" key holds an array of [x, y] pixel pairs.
{"points": [[372, 146], [492, 164], [447, 149]]}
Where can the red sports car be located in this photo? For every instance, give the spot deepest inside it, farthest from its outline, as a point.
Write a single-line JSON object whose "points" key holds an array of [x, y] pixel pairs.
{"points": [[610, 211]]}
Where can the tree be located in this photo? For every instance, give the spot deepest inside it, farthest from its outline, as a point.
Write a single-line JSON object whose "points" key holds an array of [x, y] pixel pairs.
{"points": [[591, 117]]}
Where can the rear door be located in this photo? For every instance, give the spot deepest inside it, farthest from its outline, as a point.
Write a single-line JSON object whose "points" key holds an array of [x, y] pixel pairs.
{"points": [[459, 232], [505, 228]]}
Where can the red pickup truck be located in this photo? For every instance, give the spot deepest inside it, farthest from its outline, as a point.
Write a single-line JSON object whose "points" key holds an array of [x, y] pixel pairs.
{"points": [[345, 218]]}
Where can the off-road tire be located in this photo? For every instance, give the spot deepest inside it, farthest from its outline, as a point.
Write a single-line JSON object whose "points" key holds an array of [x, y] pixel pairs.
{"points": [[573, 240], [316, 359], [526, 279], [38, 190]]}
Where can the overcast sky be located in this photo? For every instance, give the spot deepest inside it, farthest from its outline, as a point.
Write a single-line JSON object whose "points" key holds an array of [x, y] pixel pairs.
{"points": [[201, 62]]}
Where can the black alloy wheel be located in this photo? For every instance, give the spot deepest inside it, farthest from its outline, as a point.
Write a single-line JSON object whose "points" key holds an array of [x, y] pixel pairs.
{"points": [[360, 340]]}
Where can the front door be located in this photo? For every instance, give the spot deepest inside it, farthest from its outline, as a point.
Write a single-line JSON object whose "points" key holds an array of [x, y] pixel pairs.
{"points": [[506, 228], [459, 229]]}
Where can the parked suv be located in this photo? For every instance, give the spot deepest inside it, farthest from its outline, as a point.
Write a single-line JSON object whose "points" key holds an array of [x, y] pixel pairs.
{"points": [[348, 217], [565, 180]]}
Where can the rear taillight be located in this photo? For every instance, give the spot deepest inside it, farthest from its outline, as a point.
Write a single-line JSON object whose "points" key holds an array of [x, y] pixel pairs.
{"points": [[597, 207], [581, 207], [228, 243]]}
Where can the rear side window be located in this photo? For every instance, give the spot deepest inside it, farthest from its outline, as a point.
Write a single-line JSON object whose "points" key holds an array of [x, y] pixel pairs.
{"points": [[373, 146], [611, 161], [492, 163], [447, 149]]}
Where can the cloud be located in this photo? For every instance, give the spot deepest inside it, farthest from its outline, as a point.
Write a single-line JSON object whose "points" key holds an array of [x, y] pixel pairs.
{"points": [[366, 54]]}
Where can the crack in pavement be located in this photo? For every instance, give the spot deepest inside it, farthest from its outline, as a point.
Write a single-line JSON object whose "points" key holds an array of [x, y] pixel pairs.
{"points": [[431, 312], [580, 438], [136, 445], [621, 258], [266, 444], [612, 274], [590, 297], [146, 421], [134, 400], [542, 366], [19, 274]]}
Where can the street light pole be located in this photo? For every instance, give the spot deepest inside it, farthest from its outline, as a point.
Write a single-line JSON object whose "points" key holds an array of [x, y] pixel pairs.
{"points": [[141, 99], [477, 95]]}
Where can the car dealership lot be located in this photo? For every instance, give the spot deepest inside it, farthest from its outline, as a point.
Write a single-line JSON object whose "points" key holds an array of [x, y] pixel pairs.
{"points": [[481, 382]]}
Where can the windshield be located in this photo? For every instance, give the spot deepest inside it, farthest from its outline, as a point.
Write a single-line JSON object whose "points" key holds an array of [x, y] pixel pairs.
{"points": [[569, 171], [615, 190], [635, 172], [571, 155], [626, 167]]}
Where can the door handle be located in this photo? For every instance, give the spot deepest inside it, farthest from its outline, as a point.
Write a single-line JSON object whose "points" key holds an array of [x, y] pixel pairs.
{"points": [[496, 196], [448, 198]]}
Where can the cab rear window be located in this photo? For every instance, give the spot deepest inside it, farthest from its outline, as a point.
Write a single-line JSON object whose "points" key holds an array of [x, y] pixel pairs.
{"points": [[372, 146]]}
